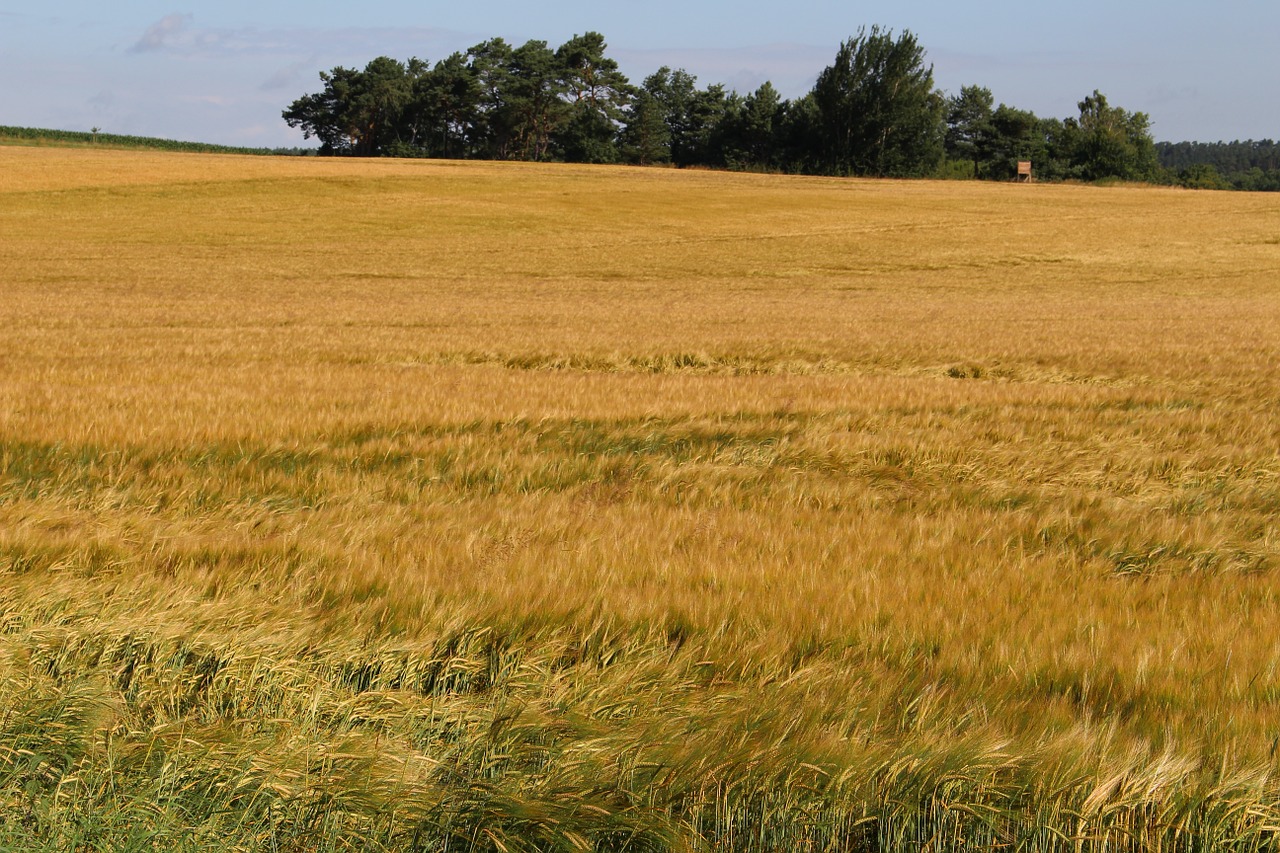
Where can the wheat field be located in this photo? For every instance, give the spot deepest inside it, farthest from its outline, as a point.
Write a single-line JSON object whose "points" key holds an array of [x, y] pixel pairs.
{"points": [[416, 505]]}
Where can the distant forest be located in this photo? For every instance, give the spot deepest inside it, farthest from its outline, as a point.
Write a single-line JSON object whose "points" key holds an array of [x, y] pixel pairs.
{"points": [[873, 112], [47, 136], [1247, 165]]}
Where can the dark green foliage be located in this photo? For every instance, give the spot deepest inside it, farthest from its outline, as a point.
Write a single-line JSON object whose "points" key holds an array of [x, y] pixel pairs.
{"points": [[598, 95], [1226, 157], [969, 129], [1202, 176], [878, 111], [534, 108], [446, 105], [692, 116], [874, 111], [672, 93], [1108, 142], [1248, 165], [1019, 135], [359, 112], [797, 128], [751, 129], [490, 63], [493, 102], [1103, 143], [645, 137]]}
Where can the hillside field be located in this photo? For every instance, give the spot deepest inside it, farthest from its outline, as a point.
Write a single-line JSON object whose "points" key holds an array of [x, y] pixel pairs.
{"points": [[418, 505]]}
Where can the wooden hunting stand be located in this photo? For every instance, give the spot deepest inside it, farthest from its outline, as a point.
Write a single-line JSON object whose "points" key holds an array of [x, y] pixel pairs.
{"points": [[1024, 171]]}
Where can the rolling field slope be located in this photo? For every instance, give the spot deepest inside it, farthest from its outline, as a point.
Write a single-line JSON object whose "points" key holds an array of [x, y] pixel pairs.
{"points": [[414, 505]]}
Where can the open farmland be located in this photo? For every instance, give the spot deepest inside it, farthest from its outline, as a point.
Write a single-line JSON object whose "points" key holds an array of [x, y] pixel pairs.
{"points": [[435, 506]]}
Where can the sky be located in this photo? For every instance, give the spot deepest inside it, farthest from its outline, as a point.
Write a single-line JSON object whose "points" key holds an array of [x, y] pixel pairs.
{"points": [[223, 70]]}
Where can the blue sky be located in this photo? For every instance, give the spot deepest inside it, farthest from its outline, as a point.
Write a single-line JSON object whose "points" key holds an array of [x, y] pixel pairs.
{"points": [[223, 71]]}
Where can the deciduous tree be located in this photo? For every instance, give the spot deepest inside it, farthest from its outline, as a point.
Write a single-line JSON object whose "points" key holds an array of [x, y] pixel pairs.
{"points": [[1108, 142], [879, 113]]}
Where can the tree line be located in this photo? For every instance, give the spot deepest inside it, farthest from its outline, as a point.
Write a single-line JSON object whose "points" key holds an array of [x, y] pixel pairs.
{"points": [[1248, 165], [48, 136], [875, 111]]}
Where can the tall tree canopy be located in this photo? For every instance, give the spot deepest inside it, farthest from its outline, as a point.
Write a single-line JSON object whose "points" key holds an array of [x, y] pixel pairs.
{"points": [[598, 95], [873, 111], [358, 112], [969, 130], [878, 111], [494, 101], [1108, 142]]}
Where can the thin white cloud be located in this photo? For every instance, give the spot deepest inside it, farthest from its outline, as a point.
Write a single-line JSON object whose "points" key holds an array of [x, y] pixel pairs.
{"points": [[176, 35], [164, 33], [291, 76]]}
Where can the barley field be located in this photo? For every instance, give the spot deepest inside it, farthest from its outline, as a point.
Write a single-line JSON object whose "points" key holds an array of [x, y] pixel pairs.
{"points": [[415, 505]]}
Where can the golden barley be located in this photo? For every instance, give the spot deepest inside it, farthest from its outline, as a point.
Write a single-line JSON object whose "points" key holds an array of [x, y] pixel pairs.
{"points": [[446, 506]]}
